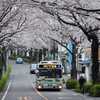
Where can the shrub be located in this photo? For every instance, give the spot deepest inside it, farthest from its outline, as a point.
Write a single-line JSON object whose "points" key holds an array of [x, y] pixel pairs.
{"points": [[12, 57], [27, 59], [3, 81], [77, 89], [95, 90], [87, 87], [4, 78], [71, 84]]}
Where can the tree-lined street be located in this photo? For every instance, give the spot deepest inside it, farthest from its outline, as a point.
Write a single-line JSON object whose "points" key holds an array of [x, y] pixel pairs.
{"points": [[65, 32], [22, 87]]}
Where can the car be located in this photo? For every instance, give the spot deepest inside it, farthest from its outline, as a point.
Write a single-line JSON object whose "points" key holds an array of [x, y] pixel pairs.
{"points": [[19, 60], [33, 68]]}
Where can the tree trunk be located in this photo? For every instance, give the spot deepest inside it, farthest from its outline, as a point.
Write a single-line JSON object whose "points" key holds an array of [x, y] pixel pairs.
{"points": [[74, 70], [4, 58], [1, 66], [40, 55], [95, 62]]}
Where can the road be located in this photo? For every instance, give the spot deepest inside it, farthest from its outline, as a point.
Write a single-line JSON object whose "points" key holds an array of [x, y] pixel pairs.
{"points": [[22, 88]]}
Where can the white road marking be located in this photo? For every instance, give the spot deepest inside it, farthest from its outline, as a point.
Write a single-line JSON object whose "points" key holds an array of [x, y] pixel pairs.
{"points": [[64, 98], [60, 97], [5, 94], [75, 94]]}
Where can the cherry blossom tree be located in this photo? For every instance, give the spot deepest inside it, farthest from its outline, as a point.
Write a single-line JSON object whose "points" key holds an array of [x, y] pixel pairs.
{"points": [[80, 15], [12, 21]]}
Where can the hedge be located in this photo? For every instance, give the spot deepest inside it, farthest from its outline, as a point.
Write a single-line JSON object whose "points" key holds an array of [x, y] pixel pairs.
{"points": [[87, 87], [71, 84], [95, 90], [5, 78]]}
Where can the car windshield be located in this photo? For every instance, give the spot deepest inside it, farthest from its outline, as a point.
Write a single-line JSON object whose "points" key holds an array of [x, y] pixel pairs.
{"points": [[50, 73], [19, 59]]}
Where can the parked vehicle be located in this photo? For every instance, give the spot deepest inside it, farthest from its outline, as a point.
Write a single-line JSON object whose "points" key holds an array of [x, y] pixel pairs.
{"points": [[19, 60], [33, 68]]}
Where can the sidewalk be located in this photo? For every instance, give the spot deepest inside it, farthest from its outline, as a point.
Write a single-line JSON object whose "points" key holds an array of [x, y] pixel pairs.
{"points": [[83, 96], [77, 95]]}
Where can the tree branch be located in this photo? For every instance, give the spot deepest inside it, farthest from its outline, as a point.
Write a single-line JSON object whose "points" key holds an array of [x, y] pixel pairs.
{"points": [[60, 44], [9, 35], [65, 22], [87, 10]]}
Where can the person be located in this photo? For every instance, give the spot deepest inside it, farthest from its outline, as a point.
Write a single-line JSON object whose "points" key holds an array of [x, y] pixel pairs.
{"points": [[82, 81]]}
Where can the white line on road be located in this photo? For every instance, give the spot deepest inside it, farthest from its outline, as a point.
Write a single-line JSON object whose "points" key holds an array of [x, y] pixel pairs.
{"points": [[5, 94], [65, 98]]}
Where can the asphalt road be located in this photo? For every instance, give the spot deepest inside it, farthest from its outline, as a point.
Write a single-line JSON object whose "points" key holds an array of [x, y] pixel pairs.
{"points": [[22, 88]]}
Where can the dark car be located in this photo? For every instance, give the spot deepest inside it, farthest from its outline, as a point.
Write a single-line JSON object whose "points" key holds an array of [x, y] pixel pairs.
{"points": [[19, 61], [33, 68]]}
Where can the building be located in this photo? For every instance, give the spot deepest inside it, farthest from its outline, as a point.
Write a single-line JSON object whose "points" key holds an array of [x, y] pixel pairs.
{"points": [[85, 63], [62, 56]]}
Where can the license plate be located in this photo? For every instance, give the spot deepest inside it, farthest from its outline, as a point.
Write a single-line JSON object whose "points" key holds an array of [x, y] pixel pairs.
{"points": [[47, 85]]}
